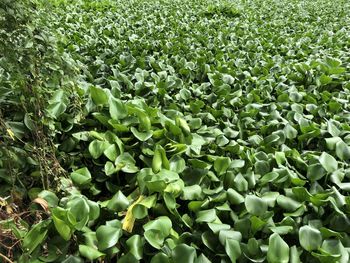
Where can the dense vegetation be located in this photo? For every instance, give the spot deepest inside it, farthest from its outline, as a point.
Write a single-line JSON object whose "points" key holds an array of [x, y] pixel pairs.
{"points": [[174, 131]]}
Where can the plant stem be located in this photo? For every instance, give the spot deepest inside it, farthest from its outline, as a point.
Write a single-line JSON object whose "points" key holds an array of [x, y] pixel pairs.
{"points": [[6, 258]]}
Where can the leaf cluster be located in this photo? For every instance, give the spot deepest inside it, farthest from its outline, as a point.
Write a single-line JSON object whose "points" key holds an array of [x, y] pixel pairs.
{"points": [[194, 131]]}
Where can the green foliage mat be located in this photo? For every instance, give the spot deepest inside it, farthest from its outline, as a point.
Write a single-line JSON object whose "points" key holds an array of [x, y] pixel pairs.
{"points": [[193, 131]]}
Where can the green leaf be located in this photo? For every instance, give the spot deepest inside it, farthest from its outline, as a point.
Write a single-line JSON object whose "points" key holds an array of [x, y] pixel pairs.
{"points": [[117, 109], [294, 255], [269, 177], [80, 209], [97, 147], [135, 244], [89, 252], [107, 236], [256, 224], [118, 203], [310, 238], [17, 128], [332, 251], [240, 183], [333, 62], [174, 188], [140, 209], [202, 259], [206, 216], [30, 124], [127, 258], [94, 212], [177, 164], [315, 172], [155, 238], [332, 129], [225, 235], [324, 80], [160, 258], [288, 203], [328, 162], [157, 230], [332, 142], [281, 230], [253, 247], [280, 158], [162, 223], [233, 249], [301, 194], [255, 205], [158, 182], [209, 240], [98, 95], [73, 259], [144, 120], [221, 164], [56, 109], [81, 176], [141, 136], [326, 233], [262, 167], [278, 250], [110, 168], [36, 236], [217, 227], [234, 197], [237, 164], [183, 125], [157, 160], [342, 150], [111, 152], [193, 192], [333, 247], [126, 163], [184, 254], [63, 221], [290, 132]]}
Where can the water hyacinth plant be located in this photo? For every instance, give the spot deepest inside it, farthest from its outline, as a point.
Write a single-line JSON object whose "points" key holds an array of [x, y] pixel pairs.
{"points": [[174, 131]]}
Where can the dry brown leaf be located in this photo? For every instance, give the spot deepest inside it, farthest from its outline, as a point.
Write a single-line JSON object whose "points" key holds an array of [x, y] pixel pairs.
{"points": [[42, 202]]}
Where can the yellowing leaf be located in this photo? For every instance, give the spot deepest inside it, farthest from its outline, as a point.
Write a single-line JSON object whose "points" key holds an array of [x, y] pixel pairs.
{"points": [[3, 202], [129, 219], [11, 134]]}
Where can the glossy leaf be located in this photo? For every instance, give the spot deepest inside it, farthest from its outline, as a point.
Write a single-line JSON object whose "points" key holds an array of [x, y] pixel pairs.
{"points": [[107, 236], [278, 250], [98, 95], [184, 253], [89, 252], [328, 162], [310, 238], [255, 205]]}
